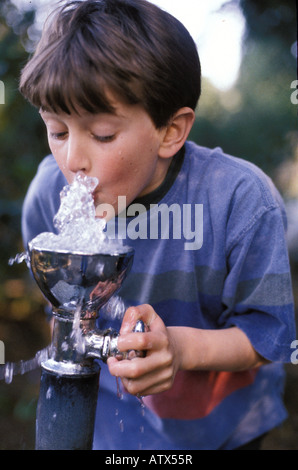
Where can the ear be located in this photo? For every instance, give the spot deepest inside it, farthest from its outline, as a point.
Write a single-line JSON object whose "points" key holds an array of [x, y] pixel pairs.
{"points": [[176, 132]]}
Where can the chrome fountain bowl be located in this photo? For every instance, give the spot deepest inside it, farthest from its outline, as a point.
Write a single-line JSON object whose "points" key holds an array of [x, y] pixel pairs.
{"points": [[76, 280]]}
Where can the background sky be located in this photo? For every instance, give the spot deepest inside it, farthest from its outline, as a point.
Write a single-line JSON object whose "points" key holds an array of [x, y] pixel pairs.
{"points": [[217, 32]]}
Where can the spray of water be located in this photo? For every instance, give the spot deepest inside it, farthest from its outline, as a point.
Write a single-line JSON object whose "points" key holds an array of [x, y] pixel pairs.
{"points": [[114, 308], [22, 367], [19, 258], [78, 228]]}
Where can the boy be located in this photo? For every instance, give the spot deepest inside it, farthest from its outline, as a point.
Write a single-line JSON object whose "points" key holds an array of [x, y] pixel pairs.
{"points": [[117, 83]]}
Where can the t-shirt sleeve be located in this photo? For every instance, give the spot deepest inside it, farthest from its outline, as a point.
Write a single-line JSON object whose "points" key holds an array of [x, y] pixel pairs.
{"points": [[42, 200], [257, 294]]}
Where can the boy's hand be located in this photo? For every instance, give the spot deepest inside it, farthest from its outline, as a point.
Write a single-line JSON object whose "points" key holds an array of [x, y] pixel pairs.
{"points": [[169, 349], [156, 372]]}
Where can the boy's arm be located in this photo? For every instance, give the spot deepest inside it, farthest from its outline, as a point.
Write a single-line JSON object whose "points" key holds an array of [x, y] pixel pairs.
{"points": [[257, 316], [170, 349], [228, 349]]}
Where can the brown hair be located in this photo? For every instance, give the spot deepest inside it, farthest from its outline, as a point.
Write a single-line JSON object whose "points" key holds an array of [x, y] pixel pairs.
{"points": [[130, 47]]}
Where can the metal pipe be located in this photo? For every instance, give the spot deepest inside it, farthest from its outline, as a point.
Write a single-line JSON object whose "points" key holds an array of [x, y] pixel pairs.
{"points": [[69, 390], [66, 411]]}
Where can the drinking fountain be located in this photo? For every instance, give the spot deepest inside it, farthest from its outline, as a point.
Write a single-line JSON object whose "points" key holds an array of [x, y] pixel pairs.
{"points": [[77, 285]]}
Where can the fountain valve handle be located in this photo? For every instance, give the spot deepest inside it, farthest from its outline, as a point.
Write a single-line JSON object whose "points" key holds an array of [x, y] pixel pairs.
{"points": [[104, 344]]}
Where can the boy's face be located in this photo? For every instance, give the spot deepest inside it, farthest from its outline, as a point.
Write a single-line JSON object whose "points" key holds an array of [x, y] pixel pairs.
{"points": [[121, 150]]}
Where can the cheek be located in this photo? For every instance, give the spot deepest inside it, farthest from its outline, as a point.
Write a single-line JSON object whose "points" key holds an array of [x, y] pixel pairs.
{"points": [[57, 153], [119, 164], [54, 146]]}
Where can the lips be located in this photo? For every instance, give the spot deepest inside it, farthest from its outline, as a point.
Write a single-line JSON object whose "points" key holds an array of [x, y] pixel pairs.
{"points": [[96, 200], [95, 196], [101, 209]]}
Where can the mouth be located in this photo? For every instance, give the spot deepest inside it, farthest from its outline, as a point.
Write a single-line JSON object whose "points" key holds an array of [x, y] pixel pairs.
{"points": [[97, 204], [95, 195], [102, 209]]}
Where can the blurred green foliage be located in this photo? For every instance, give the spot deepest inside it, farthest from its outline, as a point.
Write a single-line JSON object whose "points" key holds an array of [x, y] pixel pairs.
{"points": [[256, 119], [22, 139]]}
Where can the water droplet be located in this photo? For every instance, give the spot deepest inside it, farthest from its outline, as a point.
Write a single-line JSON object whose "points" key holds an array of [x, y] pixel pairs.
{"points": [[119, 388], [142, 404], [121, 425], [8, 374], [19, 258]]}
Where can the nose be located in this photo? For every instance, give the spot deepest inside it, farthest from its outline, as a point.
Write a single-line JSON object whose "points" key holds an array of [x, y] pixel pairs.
{"points": [[77, 155]]}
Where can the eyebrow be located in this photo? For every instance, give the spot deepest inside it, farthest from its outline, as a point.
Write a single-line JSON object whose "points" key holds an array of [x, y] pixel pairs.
{"points": [[50, 114], [44, 109]]}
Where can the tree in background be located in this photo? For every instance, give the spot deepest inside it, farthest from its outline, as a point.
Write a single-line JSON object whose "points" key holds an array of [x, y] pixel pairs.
{"points": [[22, 139], [256, 119]]}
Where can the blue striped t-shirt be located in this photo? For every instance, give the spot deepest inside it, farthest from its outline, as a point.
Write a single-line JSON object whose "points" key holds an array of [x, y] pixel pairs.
{"points": [[210, 253]]}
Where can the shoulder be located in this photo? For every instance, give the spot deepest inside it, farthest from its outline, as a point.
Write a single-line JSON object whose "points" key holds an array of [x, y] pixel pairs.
{"points": [[48, 174], [46, 184], [230, 178], [237, 196], [42, 199]]}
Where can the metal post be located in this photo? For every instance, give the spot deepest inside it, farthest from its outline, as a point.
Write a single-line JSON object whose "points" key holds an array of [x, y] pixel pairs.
{"points": [[66, 411]]}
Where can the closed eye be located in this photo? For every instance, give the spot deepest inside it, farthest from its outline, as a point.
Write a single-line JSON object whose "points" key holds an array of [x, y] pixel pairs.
{"points": [[58, 135], [104, 138]]}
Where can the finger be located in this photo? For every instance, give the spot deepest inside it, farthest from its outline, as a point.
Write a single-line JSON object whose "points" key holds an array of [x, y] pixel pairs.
{"points": [[150, 384], [153, 365], [131, 369], [136, 341], [142, 312]]}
